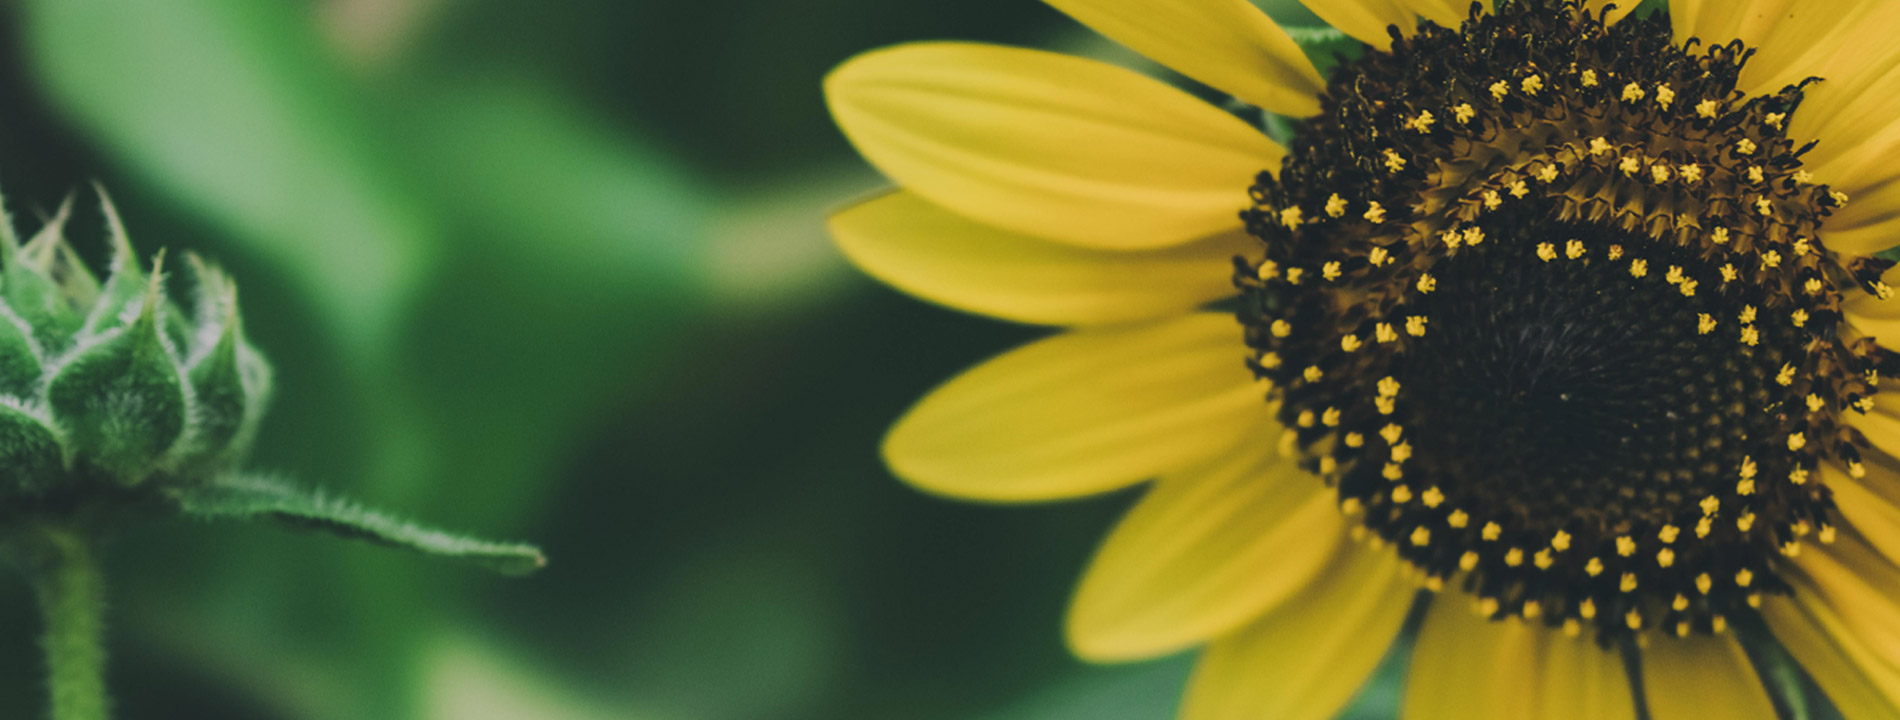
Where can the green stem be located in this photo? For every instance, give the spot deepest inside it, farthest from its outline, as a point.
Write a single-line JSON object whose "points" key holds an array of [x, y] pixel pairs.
{"points": [[71, 591]]}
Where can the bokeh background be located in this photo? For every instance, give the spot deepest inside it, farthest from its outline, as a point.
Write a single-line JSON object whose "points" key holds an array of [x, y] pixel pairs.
{"points": [[553, 272]]}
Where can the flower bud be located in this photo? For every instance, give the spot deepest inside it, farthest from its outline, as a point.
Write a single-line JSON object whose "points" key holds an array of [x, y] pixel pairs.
{"points": [[116, 381]]}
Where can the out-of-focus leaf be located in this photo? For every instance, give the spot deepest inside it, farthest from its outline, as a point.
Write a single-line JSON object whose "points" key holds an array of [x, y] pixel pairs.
{"points": [[578, 257], [245, 497], [558, 192], [707, 627], [469, 680], [1148, 691], [236, 108], [1326, 47], [771, 252]]}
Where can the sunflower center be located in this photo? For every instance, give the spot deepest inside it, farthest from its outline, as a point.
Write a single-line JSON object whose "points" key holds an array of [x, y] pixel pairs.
{"points": [[1547, 301], [1572, 385]]}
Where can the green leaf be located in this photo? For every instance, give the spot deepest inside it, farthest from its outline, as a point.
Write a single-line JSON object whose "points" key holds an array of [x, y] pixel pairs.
{"points": [[122, 400], [250, 497], [236, 109], [571, 221], [1326, 47], [1146, 690], [1794, 692]]}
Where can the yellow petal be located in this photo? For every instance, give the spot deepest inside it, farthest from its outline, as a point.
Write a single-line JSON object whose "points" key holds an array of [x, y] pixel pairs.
{"points": [[1049, 145], [1869, 224], [1858, 684], [940, 256], [1582, 681], [1719, 21], [1083, 412], [1701, 677], [1306, 659], [1881, 426], [1852, 112], [1203, 553], [1366, 20], [1685, 15], [1466, 666], [1228, 44], [1844, 625], [1872, 315], [1871, 504], [1863, 588], [1841, 43]]}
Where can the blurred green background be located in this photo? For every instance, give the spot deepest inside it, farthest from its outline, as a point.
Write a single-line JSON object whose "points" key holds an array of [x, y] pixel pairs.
{"points": [[553, 272]]}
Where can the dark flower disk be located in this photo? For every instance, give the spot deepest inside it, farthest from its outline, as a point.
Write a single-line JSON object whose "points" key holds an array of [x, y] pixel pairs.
{"points": [[1545, 299]]}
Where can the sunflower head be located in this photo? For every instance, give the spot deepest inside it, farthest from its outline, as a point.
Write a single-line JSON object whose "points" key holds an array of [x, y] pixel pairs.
{"points": [[1547, 300], [1564, 309]]}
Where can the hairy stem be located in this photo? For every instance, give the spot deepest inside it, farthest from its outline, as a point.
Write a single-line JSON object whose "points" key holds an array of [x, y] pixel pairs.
{"points": [[71, 592]]}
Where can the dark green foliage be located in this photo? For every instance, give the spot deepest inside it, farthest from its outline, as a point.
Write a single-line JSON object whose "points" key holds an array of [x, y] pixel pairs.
{"points": [[1326, 47]]}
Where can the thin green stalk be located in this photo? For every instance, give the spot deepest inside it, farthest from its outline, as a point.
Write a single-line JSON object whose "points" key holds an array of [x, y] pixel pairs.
{"points": [[71, 591]]}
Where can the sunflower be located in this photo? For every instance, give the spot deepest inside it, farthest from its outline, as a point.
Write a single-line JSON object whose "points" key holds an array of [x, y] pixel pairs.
{"points": [[1553, 323]]}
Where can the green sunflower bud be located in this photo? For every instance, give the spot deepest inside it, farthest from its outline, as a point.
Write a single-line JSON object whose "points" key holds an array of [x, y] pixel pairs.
{"points": [[119, 406], [116, 381], [114, 395]]}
